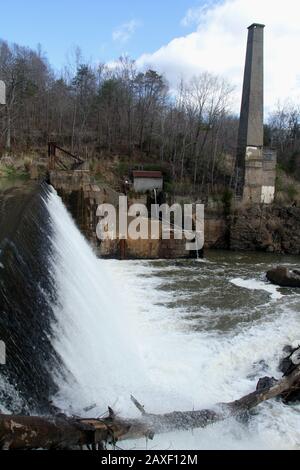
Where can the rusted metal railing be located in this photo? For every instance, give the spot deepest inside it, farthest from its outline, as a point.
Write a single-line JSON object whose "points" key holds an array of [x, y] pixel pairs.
{"points": [[56, 160]]}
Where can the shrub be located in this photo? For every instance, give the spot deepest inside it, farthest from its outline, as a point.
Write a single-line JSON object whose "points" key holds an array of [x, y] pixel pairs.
{"points": [[227, 201], [291, 192]]}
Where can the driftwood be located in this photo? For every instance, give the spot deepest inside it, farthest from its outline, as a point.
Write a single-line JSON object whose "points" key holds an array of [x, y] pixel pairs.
{"points": [[61, 432]]}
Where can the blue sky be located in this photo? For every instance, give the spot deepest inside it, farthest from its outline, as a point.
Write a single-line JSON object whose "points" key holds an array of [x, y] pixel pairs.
{"points": [[178, 38], [59, 25]]}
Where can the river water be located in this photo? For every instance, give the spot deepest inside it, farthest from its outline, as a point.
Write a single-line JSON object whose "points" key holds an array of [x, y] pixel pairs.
{"points": [[210, 331], [178, 335]]}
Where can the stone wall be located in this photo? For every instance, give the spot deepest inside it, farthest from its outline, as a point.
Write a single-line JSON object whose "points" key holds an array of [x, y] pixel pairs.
{"points": [[270, 228], [82, 199], [216, 231]]}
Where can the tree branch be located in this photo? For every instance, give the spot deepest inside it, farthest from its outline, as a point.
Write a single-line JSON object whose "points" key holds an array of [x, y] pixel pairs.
{"points": [[28, 432]]}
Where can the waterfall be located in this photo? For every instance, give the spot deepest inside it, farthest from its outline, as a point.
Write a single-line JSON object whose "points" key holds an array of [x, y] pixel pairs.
{"points": [[81, 331], [68, 336], [27, 300], [94, 334]]}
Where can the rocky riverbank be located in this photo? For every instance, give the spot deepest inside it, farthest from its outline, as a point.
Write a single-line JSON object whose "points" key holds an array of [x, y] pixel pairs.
{"points": [[273, 229]]}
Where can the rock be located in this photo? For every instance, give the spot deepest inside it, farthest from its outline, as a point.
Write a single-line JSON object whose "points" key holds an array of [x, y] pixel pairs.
{"points": [[295, 357], [265, 383], [272, 229], [287, 365], [291, 358], [288, 349], [284, 277], [295, 344]]}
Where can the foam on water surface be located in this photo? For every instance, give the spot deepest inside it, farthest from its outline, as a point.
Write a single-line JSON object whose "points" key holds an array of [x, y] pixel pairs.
{"points": [[254, 284], [118, 333]]}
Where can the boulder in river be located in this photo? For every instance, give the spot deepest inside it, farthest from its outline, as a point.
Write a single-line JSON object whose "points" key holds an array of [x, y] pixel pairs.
{"points": [[284, 277], [289, 362]]}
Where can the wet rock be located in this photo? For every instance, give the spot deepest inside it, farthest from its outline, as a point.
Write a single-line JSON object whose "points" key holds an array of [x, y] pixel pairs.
{"points": [[291, 358], [288, 349], [287, 365], [284, 277], [265, 383]]}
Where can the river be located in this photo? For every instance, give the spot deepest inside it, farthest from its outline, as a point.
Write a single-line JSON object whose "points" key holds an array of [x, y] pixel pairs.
{"points": [[178, 335]]}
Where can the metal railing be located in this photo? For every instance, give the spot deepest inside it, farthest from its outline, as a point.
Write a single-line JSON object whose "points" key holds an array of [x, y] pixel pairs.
{"points": [[56, 160]]}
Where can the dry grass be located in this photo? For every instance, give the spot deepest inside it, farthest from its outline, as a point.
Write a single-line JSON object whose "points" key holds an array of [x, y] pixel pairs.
{"points": [[287, 188]]}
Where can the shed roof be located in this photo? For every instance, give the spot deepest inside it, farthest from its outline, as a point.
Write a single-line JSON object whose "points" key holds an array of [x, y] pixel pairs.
{"points": [[147, 174]]}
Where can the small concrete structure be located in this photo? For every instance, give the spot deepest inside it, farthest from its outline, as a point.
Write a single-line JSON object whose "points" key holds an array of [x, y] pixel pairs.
{"points": [[255, 166], [144, 181]]}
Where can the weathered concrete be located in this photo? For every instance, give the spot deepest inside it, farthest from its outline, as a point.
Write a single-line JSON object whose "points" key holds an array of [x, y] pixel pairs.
{"points": [[144, 181], [252, 110], [253, 176], [268, 176], [260, 176], [82, 197], [252, 227], [255, 166], [216, 231]]}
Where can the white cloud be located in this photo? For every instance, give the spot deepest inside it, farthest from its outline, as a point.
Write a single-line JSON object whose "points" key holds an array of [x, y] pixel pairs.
{"points": [[219, 45], [194, 15], [124, 32]]}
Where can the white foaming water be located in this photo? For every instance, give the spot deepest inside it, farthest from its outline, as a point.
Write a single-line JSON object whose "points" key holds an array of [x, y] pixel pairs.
{"points": [[254, 284], [116, 337], [94, 333]]}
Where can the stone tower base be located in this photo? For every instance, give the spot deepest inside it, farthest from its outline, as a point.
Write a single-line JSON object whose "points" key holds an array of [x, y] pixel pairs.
{"points": [[260, 176]]}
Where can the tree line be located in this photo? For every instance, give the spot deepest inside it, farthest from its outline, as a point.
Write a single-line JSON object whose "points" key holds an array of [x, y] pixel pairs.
{"points": [[99, 111]]}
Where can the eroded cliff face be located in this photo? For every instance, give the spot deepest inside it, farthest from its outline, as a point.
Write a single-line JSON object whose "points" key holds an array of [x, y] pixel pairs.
{"points": [[273, 229]]}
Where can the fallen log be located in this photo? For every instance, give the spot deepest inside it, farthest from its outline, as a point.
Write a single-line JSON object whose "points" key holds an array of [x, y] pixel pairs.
{"points": [[62, 432]]}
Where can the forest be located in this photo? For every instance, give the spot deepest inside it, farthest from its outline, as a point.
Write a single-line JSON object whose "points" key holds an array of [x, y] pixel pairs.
{"points": [[99, 111]]}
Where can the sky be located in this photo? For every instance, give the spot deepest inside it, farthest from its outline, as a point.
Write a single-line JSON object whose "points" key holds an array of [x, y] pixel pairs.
{"points": [[179, 38]]}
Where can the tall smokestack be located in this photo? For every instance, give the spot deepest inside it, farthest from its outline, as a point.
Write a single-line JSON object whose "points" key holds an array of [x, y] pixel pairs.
{"points": [[251, 128]]}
